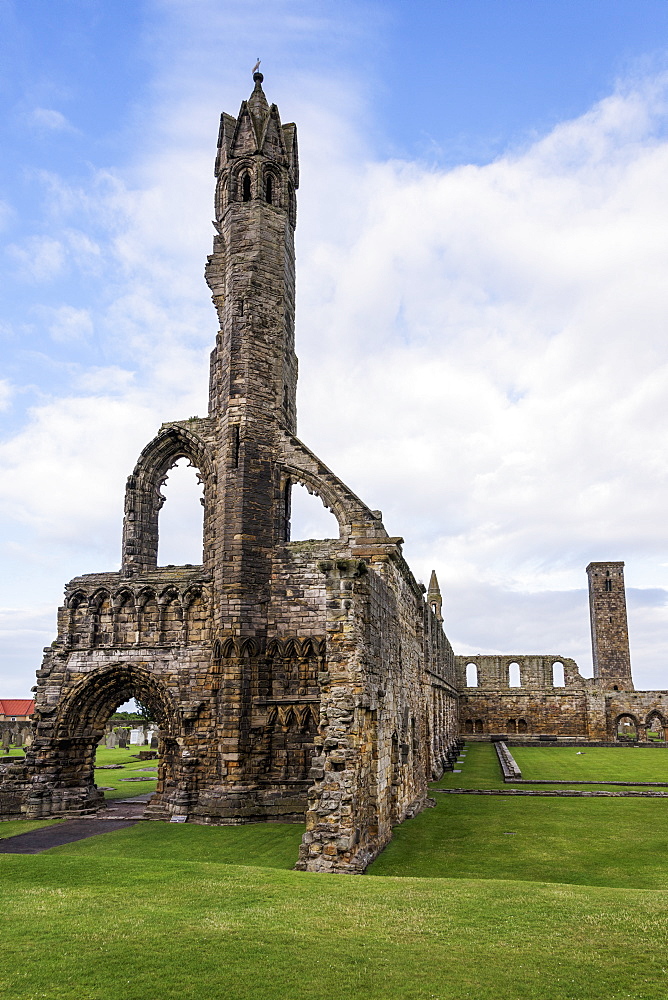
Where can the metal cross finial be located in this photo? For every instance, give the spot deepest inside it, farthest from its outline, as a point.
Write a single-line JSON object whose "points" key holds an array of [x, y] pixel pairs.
{"points": [[256, 67]]}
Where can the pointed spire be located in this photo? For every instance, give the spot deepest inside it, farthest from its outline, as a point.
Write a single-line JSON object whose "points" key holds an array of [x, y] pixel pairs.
{"points": [[434, 599], [257, 102]]}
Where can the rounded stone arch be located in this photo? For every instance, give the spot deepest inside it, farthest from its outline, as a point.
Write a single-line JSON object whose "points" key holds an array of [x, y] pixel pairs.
{"points": [[272, 185], [330, 497], [143, 497], [244, 167], [85, 710], [626, 727]]}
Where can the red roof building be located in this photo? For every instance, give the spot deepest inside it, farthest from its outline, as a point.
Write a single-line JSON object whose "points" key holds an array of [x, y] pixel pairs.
{"points": [[16, 709]]}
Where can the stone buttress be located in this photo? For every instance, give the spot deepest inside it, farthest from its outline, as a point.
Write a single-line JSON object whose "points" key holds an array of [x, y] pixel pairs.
{"points": [[289, 679]]}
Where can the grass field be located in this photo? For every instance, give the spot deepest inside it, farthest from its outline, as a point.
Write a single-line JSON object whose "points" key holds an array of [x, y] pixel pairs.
{"points": [[593, 763], [132, 768], [572, 905]]}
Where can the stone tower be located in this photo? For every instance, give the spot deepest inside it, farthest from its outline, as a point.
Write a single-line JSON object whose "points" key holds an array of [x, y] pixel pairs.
{"points": [[290, 680], [609, 628]]}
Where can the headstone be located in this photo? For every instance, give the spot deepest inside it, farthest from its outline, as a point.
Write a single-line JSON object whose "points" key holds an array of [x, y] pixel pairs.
{"points": [[154, 742], [111, 741], [137, 737], [28, 740], [18, 739], [123, 744], [6, 739]]}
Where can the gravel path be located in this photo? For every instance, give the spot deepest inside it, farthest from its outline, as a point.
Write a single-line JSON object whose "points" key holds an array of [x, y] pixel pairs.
{"points": [[61, 833]]}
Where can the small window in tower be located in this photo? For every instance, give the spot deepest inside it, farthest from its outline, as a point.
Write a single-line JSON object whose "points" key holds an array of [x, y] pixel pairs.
{"points": [[270, 190], [608, 584], [235, 445], [246, 188]]}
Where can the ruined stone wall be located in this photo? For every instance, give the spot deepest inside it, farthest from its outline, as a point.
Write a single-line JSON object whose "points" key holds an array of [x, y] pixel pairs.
{"points": [[376, 705], [537, 706], [583, 707]]}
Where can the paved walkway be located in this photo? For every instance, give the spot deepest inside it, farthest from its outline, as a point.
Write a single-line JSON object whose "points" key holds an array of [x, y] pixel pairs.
{"points": [[61, 833]]}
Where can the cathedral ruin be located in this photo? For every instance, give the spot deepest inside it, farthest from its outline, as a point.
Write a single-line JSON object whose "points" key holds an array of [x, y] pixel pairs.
{"points": [[290, 680]]}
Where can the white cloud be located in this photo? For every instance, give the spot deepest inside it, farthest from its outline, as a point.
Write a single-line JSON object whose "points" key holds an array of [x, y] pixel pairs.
{"points": [[68, 323], [51, 120], [38, 258], [482, 350]]}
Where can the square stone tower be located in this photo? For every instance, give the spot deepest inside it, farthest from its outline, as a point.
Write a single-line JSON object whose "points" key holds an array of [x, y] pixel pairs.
{"points": [[609, 628]]}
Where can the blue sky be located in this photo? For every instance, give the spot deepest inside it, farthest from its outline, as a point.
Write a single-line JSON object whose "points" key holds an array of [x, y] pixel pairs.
{"points": [[482, 246]]}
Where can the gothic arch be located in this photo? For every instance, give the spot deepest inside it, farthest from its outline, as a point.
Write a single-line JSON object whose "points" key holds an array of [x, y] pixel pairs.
{"points": [[84, 712], [143, 498]]}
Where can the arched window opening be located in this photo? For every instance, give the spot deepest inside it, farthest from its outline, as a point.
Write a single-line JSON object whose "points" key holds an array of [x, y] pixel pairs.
{"points": [[558, 680], [478, 725], [514, 675], [246, 187], [181, 518], [511, 725], [309, 518], [522, 726], [471, 675], [468, 726], [269, 190], [608, 584], [656, 732], [627, 729]]}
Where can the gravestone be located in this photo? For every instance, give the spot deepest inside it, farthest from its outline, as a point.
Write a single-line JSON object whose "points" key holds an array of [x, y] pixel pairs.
{"points": [[137, 737], [123, 744], [154, 742], [6, 739], [111, 741], [18, 739]]}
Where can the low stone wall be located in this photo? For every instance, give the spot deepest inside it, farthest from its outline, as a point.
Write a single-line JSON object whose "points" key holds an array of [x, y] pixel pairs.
{"points": [[509, 767]]}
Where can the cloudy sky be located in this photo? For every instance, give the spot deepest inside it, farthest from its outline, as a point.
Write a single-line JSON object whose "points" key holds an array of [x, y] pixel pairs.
{"points": [[482, 295]]}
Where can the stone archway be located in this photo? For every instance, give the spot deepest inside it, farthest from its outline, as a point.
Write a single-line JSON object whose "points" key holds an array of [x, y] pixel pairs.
{"points": [[68, 758], [626, 728], [655, 727]]}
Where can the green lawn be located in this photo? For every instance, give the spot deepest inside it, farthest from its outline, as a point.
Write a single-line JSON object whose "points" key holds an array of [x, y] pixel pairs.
{"points": [[272, 845], [481, 766], [13, 827], [498, 898], [593, 763], [122, 789], [133, 929]]}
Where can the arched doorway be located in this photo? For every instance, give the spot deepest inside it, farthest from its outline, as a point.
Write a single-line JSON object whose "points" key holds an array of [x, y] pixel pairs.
{"points": [[81, 724], [626, 729], [656, 728]]}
